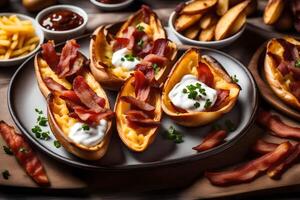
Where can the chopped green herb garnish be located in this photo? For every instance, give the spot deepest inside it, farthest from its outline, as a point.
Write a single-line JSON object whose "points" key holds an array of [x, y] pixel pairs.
{"points": [[129, 57], [6, 174], [45, 135], [297, 63], [230, 125], [184, 91], [122, 59], [207, 103], [194, 91], [173, 135], [216, 127], [38, 111], [197, 105], [7, 150], [140, 28], [85, 127], [36, 129], [140, 43], [23, 150], [156, 68], [56, 144], [234, 79], [42, 121]]}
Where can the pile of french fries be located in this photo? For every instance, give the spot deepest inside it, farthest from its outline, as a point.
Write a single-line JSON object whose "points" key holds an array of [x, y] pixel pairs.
{"points": [[17, 37], [208, 20]]}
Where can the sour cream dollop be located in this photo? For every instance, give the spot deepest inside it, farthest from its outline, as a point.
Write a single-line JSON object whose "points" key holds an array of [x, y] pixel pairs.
{"points": [[123, 58], [90, 137], [179, 95]]}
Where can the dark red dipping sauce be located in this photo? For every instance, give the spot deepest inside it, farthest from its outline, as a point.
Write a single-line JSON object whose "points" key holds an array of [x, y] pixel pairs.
{"points": [[61, 20], [111, 1]]}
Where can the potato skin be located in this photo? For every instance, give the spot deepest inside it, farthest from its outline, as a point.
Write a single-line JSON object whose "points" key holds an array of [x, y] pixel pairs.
{"points": [[184, 66], [273, 76], [121, 107]]}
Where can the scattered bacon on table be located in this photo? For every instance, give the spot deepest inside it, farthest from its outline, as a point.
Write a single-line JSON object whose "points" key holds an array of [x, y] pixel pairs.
{"points": [[252, 169], [213, 139], [24, 154], [277, 127], [263, 147]]}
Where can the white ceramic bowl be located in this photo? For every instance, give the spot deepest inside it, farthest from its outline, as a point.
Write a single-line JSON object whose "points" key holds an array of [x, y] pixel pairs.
{"points": [[38, 32], [212, 44], [59, 36], [112, 7]]}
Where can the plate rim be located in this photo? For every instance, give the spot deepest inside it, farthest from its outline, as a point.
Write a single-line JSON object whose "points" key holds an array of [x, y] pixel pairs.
{"points": [[185, 160]]}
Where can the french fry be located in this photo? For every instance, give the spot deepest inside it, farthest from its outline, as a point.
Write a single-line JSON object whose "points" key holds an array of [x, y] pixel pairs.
{"points": [[208, 34], [222, 7], [17, 37], [207, 20], [185, 21], [192, 32]]}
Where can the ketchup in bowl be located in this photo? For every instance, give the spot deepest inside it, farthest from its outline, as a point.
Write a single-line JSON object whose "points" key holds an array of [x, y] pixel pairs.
{"points": [[61, 20]]}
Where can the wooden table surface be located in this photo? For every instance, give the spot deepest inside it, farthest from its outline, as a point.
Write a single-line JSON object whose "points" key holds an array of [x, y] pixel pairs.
{"points": [[242, 54]]}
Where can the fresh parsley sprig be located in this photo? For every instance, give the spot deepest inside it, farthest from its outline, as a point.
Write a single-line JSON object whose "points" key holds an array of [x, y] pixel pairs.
{"points": [[174, 135]]}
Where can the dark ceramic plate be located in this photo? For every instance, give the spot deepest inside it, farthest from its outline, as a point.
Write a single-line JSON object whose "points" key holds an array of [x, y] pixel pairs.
{"points": [[24, 96]]}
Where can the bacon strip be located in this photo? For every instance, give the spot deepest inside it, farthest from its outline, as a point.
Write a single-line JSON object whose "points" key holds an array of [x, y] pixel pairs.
{"points": [[213, 139], [89, 116], [28, 159], [295, 89], [87, 96], [137, 103], [141, 85], [221, 97], [120, 43], [160, 47], [263, 147], [205, 75], [252, 169], [277, 171], [276, 126], [139, 117], [49, 55], [68, 55], [52, 85]]}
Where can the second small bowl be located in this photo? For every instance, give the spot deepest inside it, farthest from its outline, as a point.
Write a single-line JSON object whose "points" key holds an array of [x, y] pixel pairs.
{"points": [[59, 36], [211, 44], [112, 6]]}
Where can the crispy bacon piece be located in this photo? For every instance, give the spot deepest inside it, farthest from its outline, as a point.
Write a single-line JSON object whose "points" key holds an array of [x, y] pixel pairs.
{"points": [[87, 96], [52, 85], [156, 59], [252, 169], [295, 89], [71, 98], [290, 50], [90, 116], [120, 43], [68, 55], [205, 75], [139, 117], [141, 86], [160, 47], [276, 126], [27, 158], [277, 171], [49, 55], [213, 139], [221, 96], [283, 68], [147, 69], [263, 147], [146, 13], [138, 103]]}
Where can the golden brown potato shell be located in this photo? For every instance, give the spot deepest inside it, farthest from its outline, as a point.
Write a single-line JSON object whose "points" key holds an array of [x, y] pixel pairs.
{"points": [[278, 83], [101, 51], [187, 65], [136, 139]]}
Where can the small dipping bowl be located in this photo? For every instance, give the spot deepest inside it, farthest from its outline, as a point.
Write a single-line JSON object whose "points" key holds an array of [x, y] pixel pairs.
{"points": [[63, 35]]}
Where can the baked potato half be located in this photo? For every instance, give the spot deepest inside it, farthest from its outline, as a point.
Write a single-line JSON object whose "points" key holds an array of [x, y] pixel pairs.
{"points": [[116, 51], [74, 99], [281, 68], [137, 125], [194, 80]]}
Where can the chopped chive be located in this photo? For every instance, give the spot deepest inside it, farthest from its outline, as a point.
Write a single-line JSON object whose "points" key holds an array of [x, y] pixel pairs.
{"points": [[297, 63], [197, 105], [207, 103], [56, 144], [234, 79], [230, 125], [140, 28], [7, 150], [172, 134]]}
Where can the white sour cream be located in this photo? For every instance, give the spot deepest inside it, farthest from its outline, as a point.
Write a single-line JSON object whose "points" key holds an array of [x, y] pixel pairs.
{"points": [[119, 59], [90, 137], [181, 100]]}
